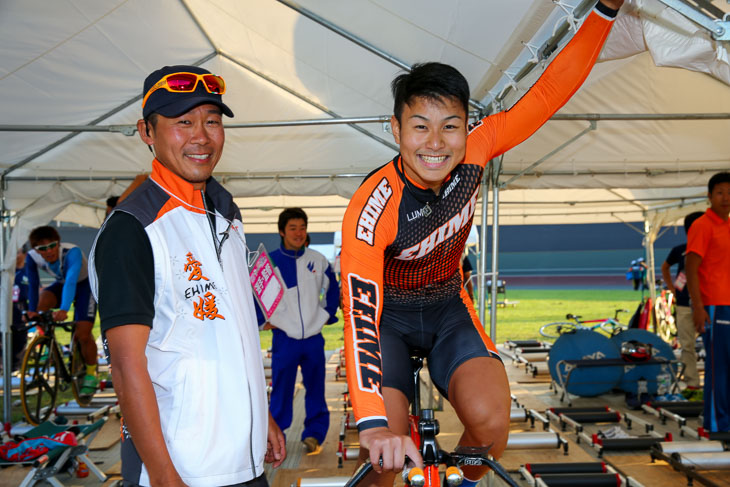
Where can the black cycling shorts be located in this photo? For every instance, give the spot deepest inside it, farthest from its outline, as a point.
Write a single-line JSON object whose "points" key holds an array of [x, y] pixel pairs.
{"points": [[449, 333]]}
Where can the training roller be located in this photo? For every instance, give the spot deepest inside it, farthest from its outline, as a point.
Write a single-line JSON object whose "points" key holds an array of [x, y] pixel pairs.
{"points": [[704, 461]]}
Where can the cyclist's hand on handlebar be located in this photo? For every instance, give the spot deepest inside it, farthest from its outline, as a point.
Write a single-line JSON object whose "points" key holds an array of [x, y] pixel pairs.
{"points": [[60, 315], [390, 448], [30, 315]]}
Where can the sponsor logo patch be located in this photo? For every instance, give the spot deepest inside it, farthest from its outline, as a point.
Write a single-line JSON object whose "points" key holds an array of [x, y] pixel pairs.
{"points": [[442, 233], [372, 211], [364, 308]]}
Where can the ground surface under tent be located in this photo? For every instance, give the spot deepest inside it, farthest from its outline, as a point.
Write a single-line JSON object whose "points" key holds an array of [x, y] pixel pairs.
{"points": [[531, 392]]}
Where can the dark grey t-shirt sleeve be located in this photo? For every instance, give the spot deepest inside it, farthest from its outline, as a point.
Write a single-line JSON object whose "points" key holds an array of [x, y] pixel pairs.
{"points": [[125, 269]]}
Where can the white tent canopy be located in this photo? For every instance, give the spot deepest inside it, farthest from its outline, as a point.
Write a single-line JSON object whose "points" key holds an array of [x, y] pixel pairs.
{"points": [[81, 63]]}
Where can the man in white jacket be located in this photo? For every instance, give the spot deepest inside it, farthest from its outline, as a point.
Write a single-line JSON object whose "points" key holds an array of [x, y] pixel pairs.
{"points": [[310, 301], [169, 271]]}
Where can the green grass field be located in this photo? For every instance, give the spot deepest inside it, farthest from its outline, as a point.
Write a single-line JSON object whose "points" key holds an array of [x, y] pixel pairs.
{"points": [[535, 308]]}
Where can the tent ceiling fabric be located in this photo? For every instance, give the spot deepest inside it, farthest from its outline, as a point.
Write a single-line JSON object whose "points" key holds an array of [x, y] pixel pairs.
{"points": [[83, 61]]}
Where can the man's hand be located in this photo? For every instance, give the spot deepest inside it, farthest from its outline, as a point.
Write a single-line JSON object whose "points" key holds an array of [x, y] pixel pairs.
{"points": [[268, 326], [276, 444], [30, 315], [60, 315], [391, 448], [700, 317], [614, 4]]}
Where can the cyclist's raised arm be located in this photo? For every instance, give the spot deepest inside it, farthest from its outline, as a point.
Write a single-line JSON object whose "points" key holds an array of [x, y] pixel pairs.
{"points": [[500, 132]]}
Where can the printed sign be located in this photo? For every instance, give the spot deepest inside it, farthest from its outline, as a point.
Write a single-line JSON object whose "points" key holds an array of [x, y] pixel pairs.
{"points": [[267, 288]]}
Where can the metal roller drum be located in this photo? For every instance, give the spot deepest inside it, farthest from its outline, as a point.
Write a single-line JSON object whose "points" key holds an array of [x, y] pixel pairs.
{"points": [[670, 447], [598, 409], [605, 417], [526, 441], [323, 482], [581, 480], [704, 461], [575, 467], [518, 414], [641, 443], [534, 357]]}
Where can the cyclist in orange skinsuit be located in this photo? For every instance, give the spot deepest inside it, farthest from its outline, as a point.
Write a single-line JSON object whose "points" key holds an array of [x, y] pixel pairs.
{"points": [[403, 235]]}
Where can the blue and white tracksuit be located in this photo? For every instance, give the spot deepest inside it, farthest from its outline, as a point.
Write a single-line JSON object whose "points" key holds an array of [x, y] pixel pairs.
{"points": [[310, 301]]}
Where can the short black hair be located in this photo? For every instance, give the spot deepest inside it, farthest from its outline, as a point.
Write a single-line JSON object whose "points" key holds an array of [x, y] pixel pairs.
{"points": [[112, 201], [433, 81], [721, 177], [291, 214], [690, 219], [43, 233]]}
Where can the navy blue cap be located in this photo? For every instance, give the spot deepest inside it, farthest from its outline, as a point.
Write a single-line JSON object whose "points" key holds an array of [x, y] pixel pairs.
{"points": [[169, 104]]}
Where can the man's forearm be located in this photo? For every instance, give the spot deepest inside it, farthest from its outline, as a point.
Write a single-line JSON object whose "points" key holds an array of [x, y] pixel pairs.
{"points": [[138, 403], [691, 269], [667, 275]]}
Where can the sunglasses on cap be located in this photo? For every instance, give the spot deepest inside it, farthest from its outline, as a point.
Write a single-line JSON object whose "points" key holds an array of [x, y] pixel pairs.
{"points": [[187, 83], [48, 246]]}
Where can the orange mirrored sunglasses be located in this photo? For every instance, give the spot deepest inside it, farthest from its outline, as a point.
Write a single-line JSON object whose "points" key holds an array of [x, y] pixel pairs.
{"points": [[187, 82]]}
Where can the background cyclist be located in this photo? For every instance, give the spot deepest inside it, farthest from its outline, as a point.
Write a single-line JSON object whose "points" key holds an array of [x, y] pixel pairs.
{"points": [[67, 265]]}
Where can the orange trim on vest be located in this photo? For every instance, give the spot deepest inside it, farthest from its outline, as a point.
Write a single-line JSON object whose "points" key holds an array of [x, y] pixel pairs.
{"points": [[174, 184]]}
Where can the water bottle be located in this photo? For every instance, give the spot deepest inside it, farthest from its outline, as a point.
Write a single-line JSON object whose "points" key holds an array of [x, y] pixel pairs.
{"points": [[664, 383]]}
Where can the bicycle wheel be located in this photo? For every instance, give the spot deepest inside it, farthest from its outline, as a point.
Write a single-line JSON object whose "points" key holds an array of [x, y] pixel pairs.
{"points": [[557, 328], [612, 328], [77, 369], [40, 379]]}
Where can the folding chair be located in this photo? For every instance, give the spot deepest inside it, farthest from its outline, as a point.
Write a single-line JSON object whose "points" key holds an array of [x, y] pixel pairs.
{"points": [[48, 465]]}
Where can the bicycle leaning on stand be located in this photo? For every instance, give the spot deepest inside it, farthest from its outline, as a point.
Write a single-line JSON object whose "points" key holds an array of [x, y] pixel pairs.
{"points": [[609, 326], [423, 430], [46, 370]]}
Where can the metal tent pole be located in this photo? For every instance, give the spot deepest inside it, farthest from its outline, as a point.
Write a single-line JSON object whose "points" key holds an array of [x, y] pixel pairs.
{"points": [[5, 317], [496, 169], [483, 236]]}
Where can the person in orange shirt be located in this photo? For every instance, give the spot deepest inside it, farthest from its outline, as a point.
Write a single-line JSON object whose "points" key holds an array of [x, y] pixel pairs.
{"points": [[707, 265], [403, 236]]}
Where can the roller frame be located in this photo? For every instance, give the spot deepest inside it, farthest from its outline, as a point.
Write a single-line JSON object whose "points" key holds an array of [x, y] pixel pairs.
{"points": [[690, 473], [630, 419], [537, 482]]}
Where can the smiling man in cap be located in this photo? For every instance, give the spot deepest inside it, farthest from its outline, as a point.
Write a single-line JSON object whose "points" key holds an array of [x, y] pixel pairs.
{"points": [[169, 270]]}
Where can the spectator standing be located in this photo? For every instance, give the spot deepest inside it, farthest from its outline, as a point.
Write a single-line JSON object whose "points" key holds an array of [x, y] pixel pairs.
{"points": [[310, 301], [708, 278], [169, 267], [686, 333]]}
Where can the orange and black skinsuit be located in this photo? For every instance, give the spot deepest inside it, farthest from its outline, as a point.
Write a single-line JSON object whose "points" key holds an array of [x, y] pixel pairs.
{"points": [[402, 243]]}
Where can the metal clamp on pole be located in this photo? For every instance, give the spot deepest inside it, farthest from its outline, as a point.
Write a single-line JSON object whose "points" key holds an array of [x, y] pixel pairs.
{"points": [[719, 29]]}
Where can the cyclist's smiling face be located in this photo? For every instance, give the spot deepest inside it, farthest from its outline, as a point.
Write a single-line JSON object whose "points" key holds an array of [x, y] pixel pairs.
{"points": [[432, 139], [49, 255]]}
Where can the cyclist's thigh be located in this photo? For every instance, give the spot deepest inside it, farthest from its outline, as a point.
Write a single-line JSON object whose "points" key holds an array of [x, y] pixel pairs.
{"points": [[459, 337], [50, 296], [84, 303], [399, 331]]}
